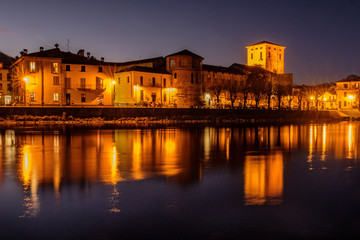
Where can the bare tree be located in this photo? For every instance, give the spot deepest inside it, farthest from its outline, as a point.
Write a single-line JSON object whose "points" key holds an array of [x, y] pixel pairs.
{"points": [[216, 89], [280, 91], [258, 78]]}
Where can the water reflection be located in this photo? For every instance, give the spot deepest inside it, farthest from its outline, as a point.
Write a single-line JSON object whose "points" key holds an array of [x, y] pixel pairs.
{"points": [[51, 160]]}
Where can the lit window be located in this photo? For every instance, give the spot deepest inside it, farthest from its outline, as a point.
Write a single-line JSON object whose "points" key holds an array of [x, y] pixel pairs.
{"points": [[356, 85], [56, 97], [32, 67], [56, 80], [172, 63], [32, 97], [55, 68], [82, 82]]}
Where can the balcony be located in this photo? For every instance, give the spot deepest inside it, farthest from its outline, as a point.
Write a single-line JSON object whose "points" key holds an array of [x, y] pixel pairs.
{"points": [[88, 87]]}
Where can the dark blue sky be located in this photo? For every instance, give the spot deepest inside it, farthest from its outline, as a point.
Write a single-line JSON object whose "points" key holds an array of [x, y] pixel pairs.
{"points": [[322, 37]]}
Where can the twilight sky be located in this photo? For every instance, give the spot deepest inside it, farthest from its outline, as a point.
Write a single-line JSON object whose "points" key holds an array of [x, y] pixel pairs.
{"points": [[322, 36]]}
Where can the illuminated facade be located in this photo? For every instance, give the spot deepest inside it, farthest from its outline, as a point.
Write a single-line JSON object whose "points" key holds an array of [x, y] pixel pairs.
{"points": [[268, 55], [5, 80], [348, 93], [58, 78]]}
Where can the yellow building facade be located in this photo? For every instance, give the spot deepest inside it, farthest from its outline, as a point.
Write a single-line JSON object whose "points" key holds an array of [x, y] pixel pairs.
{"points": [[268, 55], [56, 78], [348, 92], [5, 80]]}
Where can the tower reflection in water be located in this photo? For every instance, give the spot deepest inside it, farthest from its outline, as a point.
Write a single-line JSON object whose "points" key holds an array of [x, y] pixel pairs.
{"points": [[54, 159]]}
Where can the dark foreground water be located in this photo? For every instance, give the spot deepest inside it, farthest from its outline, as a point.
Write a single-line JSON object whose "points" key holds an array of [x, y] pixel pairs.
{"points": [[192, 183]]}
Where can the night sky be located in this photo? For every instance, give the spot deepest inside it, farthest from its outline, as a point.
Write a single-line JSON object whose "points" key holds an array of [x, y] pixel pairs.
{"points": [[322, 37]]}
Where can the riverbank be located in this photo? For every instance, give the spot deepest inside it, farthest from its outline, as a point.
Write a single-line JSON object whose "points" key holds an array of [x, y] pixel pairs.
{"points": [[114, 116]]}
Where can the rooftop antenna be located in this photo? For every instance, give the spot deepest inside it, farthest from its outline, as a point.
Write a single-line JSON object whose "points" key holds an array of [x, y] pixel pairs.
{"points": [[68, 45]]}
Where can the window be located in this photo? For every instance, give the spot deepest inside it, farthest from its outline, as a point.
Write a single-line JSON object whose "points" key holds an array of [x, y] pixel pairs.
{"points": [[55, 67], [172, 63], [56, 97], [119, 81], [164, 97], [100, 69], [56, 80], [252, 56], [82, 68], [32, 97], [175, 75], [0, 76], [83, 97], [128, 79], [280, 56], [67, 83], [261, 56], [344, 103], [183, 63], [164, 82], [0, 86], [141, 81], [153, 82], [82, 82], [99, 83], [356, 85], [141, 95], [269, 55], [345, 94], [192, 78], [346, 85], [67, 68], [32, 67]]}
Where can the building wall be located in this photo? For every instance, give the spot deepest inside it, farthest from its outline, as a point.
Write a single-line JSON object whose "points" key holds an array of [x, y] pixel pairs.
{"points": [[37, 86], [268, 56], [5, 93], [154, 88], [348, 93], [187, 74]]}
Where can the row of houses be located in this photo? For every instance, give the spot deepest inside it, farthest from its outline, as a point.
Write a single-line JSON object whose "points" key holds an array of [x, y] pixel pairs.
{"points": [[57, 78]]}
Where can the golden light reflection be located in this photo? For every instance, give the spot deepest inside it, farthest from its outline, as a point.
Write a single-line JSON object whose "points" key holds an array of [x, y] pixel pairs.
{"points": [[263, 179]]}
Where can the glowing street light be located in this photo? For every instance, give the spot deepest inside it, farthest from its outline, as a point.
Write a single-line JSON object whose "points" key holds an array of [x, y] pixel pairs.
{"points": [[311, 98]]}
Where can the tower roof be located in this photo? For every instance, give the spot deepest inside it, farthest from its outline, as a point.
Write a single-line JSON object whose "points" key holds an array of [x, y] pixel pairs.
{"points": [[264, 42], [185, 53]]}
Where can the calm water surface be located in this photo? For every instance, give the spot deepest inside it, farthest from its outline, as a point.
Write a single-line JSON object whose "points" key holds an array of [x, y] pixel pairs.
{"points": [[183, 183]]}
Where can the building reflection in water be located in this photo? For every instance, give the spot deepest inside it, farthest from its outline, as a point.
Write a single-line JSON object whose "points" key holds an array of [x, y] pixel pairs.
{"points": [[54, 159], [263, 179]]}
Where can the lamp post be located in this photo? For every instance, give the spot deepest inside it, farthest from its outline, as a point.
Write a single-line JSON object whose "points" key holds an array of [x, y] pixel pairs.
{"points": [[26, 80]]}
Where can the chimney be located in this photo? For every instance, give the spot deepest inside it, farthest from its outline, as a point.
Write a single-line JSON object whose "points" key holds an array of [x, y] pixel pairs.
{"points": [[88, 55], [102, 59], [25, 51], [81, 52], [41, 49], [56, 45]]}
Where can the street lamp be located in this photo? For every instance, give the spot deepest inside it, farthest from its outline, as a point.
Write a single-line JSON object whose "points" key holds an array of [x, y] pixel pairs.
{"points": [[351, 98], [26, 80]]}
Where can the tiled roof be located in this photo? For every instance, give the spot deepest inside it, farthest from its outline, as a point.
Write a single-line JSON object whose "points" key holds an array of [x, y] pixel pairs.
{"points": [[265, 42], [6, 60], [350, 78], [185, 53], [146, 69], [245, 69], [212, 68], [67, 57]]}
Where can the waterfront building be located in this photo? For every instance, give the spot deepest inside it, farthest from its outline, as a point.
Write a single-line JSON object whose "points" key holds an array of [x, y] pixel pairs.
{"points": [[5, 81], [57, 78], [348, 92]]}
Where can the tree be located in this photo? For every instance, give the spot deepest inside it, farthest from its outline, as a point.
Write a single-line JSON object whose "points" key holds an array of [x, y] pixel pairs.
{"points": [[280, 91], [216, 89], [257, 79], [245, 89], [233, 90], [268, 92]]}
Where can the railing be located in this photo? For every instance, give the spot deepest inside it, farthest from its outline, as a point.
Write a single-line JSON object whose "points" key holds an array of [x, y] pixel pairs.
{"points": [[88, 87]]}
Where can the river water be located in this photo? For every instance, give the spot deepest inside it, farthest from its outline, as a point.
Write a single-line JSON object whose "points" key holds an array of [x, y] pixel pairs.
{"points": [[181, 183]]}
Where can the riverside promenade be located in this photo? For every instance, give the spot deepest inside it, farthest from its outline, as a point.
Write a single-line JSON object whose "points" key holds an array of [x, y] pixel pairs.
{"points": [[171, 114]]}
